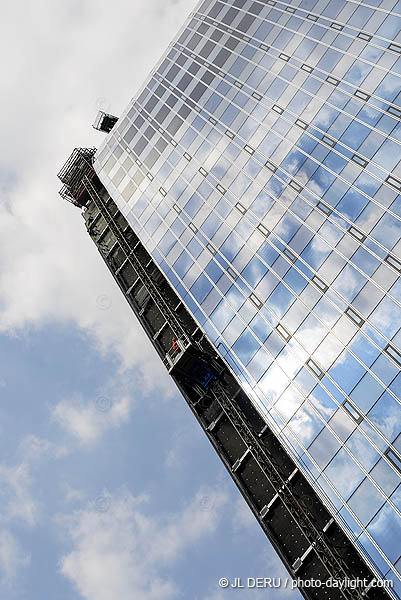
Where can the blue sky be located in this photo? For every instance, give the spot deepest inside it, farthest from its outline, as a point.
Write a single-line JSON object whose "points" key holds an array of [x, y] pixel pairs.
{"points": [[108, 487]]}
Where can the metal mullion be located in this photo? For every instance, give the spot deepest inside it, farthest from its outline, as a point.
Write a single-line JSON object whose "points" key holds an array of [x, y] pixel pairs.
{"points": [[313, 270], [365, 435], [289, 211], [329, 28], [383, 182], [322, 322], [217, 26], [328, 46]]}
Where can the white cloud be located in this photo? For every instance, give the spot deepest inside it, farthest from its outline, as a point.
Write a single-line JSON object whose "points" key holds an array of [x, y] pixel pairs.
{"points": [[72, 494], [18, 501], [12, 558], [50, 270], [243, 517], [123, 553], [87, 420]]}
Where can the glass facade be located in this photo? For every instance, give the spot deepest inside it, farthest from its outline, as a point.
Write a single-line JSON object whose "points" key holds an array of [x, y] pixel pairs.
{"points": [[260, 165]]}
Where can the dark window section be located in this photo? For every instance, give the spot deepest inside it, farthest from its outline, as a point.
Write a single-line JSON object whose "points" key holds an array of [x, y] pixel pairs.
{"points": [[332, 80], [364, 36], [314, 368], [181, 59], [283, 332], [351, 410], [295, 186], [161, 145], [145, 92], [230, 16], [394, 182], [329, 141], [184, 111], [202, 171], [130, 134], [231, 43], [140, 145], [391, 260], [198, 91], [263, 229], [177, 208], [320, 284], [301, 124], [307, 68], [246, 23], [362, 162], [216, 8], [255, 300], [241, 208], [211, 249], [290, 9], [249, 149], [151, 158], [193, 41], [395, 48], [289, 255], [312, 17], [327, 210], [232, 273], [358, 235], [162, 114], [284, 57], [238, 84], [395, 355], [222, 57], [362, 95], [193, 228], [216, 35], [187, 156], [256, 96], [393, 458], [229, 133], [174, 126], [396, 112], [277, 109], [337, 26], [271, 166], [184, 82], [171, 100], [357, 319], [162, 191], [159, 91], [169, 76], [255, 8], [264, 47]]}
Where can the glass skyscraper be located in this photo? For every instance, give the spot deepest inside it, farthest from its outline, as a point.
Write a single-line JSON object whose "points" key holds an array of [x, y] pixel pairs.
{"points": [[260, 167]]}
